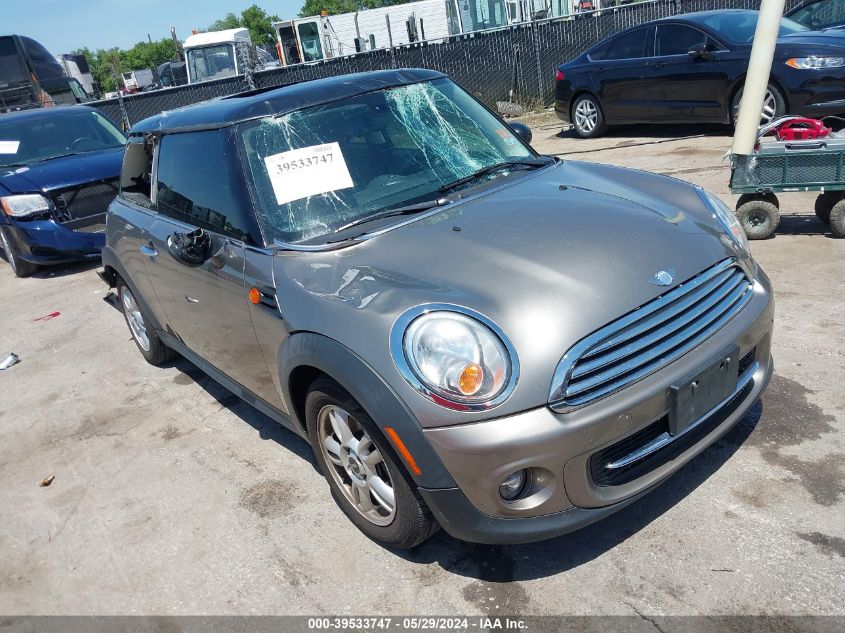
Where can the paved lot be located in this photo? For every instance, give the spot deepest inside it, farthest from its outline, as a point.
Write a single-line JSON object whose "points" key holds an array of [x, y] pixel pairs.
{"points": [[172, 497]]}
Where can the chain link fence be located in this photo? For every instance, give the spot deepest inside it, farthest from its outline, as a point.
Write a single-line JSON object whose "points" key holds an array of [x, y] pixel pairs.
{"points": [[486, 63]]}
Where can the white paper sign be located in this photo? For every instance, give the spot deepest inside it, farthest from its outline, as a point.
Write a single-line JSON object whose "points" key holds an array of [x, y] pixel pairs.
{"points": [[308, 171], [9, 147]]}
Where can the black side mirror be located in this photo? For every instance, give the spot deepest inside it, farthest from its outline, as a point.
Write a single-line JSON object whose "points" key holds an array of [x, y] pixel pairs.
{"points": [[700, 51], [521, 130], [192, 248]]}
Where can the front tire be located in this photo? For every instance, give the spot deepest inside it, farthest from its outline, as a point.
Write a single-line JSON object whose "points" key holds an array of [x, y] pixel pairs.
{"points": [[154, 351], [363, 477], [588, 117], [758, 218], [20, 267]]}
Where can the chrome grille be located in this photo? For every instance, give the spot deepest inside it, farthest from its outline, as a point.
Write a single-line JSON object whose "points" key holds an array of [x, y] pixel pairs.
{"points": [[650, 337]]}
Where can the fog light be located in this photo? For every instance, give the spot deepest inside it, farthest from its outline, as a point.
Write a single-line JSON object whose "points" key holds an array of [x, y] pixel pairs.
{"points": [[513, 485]]}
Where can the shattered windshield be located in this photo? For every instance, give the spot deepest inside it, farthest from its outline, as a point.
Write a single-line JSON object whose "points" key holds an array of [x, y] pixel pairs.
{"points": [[321, 168]]}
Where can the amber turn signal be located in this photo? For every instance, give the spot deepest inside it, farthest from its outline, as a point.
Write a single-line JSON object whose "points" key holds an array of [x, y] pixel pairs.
{"points": [[254, 296], [469, 382]]}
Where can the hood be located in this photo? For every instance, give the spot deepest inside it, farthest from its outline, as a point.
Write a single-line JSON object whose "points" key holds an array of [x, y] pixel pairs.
{"points": [[812, 41], [62, 173], [549, 258]]}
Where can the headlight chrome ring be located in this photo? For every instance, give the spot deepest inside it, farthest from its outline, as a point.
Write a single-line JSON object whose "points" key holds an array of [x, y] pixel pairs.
{"points": [[413, 373]]}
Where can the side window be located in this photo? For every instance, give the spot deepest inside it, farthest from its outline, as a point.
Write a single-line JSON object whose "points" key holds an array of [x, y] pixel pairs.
{"points": [[628, 46], [196, 183], [135, 177], [676, 39]]}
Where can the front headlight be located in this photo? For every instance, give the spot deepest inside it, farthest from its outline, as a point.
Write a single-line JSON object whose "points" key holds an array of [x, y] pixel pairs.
{"points": [[454, 356], [25, 205], [815, 63], [725, 216]]}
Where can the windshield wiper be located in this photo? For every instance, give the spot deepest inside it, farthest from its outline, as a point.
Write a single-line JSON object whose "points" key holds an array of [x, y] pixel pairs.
{"points": [[389, 213], [527, 162]]}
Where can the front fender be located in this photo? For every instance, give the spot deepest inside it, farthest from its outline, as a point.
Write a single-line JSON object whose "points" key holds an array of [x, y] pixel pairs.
{"points": [[307, 349]]}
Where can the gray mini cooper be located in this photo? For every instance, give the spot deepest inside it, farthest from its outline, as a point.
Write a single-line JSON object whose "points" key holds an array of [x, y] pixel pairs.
{"points": [[470, 335]]}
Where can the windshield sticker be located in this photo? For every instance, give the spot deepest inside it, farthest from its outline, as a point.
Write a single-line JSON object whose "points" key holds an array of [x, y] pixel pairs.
{"points": [[9, 147], [308, 171]]}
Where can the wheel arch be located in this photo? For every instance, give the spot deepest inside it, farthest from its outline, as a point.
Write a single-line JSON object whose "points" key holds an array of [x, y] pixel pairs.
{"points": [[305, 356], [114, 271]]}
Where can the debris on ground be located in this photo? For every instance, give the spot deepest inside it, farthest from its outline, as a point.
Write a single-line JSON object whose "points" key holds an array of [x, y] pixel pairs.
{"points": [[9, 360], [47, 481], [47, 317]]}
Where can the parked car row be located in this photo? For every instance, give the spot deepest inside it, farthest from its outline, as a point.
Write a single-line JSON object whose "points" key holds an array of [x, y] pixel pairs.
{"points": [[691, 68]]}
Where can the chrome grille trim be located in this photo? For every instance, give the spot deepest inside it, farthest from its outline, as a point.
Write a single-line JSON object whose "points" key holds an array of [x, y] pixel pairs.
{"points": [[650, 337]]}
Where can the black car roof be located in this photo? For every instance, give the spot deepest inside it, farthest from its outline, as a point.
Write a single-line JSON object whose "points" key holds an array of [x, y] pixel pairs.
{"points": [[227, 111], [699, 16], [36, 113]]}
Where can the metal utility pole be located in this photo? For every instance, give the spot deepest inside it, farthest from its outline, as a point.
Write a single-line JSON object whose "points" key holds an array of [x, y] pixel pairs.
{"points": [[757, 79]]}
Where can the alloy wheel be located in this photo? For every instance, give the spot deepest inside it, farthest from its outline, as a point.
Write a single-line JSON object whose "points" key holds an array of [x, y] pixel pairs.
{"points": [[356, 465], [586, 115], [135, 319]]}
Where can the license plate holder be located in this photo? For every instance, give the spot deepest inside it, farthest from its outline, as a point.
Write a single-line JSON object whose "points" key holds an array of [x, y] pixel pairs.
{"points": [[695, 397]]}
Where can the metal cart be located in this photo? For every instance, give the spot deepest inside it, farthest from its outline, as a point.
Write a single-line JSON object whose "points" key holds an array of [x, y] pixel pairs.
{"points": [[788, 166]]}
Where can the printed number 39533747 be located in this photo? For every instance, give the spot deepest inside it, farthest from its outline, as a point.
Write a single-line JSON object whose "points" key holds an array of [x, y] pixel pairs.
{"points": [[302, 163]]}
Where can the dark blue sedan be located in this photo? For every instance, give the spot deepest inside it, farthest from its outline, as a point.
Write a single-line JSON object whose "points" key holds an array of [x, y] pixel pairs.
{"points": [[59, 170], [691, 69]]}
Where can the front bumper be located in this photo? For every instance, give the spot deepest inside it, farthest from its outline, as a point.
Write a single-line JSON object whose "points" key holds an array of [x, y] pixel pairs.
{"points": [[560, 446], [48, 242]]}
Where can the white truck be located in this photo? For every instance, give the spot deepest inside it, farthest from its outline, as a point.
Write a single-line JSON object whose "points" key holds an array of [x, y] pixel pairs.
{"points": [[137, 80], [76, 66], [214, 55]]}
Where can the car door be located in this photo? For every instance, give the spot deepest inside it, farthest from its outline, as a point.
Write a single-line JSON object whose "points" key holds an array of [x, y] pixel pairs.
{"points": [[199, 275], [621, 73], [686, 87]]}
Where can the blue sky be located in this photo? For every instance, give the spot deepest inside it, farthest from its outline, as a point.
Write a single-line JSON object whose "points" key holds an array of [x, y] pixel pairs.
{"points": [[65, 25]]}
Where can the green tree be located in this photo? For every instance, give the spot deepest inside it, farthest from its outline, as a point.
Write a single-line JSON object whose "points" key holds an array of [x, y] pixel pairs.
{"points": [[231, 21], [254, 19], [260, 25], [107, 65]]}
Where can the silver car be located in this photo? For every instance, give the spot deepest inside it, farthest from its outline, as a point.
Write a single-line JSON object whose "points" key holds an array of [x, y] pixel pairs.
{"points": [[471, 336]]}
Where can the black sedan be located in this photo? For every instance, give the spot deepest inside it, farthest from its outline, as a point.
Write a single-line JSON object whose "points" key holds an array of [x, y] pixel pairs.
{"points": [[691, 69]]}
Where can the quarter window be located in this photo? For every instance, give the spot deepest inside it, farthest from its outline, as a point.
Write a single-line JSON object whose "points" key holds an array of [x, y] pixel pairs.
{"points": [[676, 39], [196, 184]]}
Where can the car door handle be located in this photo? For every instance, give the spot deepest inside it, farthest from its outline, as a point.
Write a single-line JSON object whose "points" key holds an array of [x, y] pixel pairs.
{"points": [[147, 249]]}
